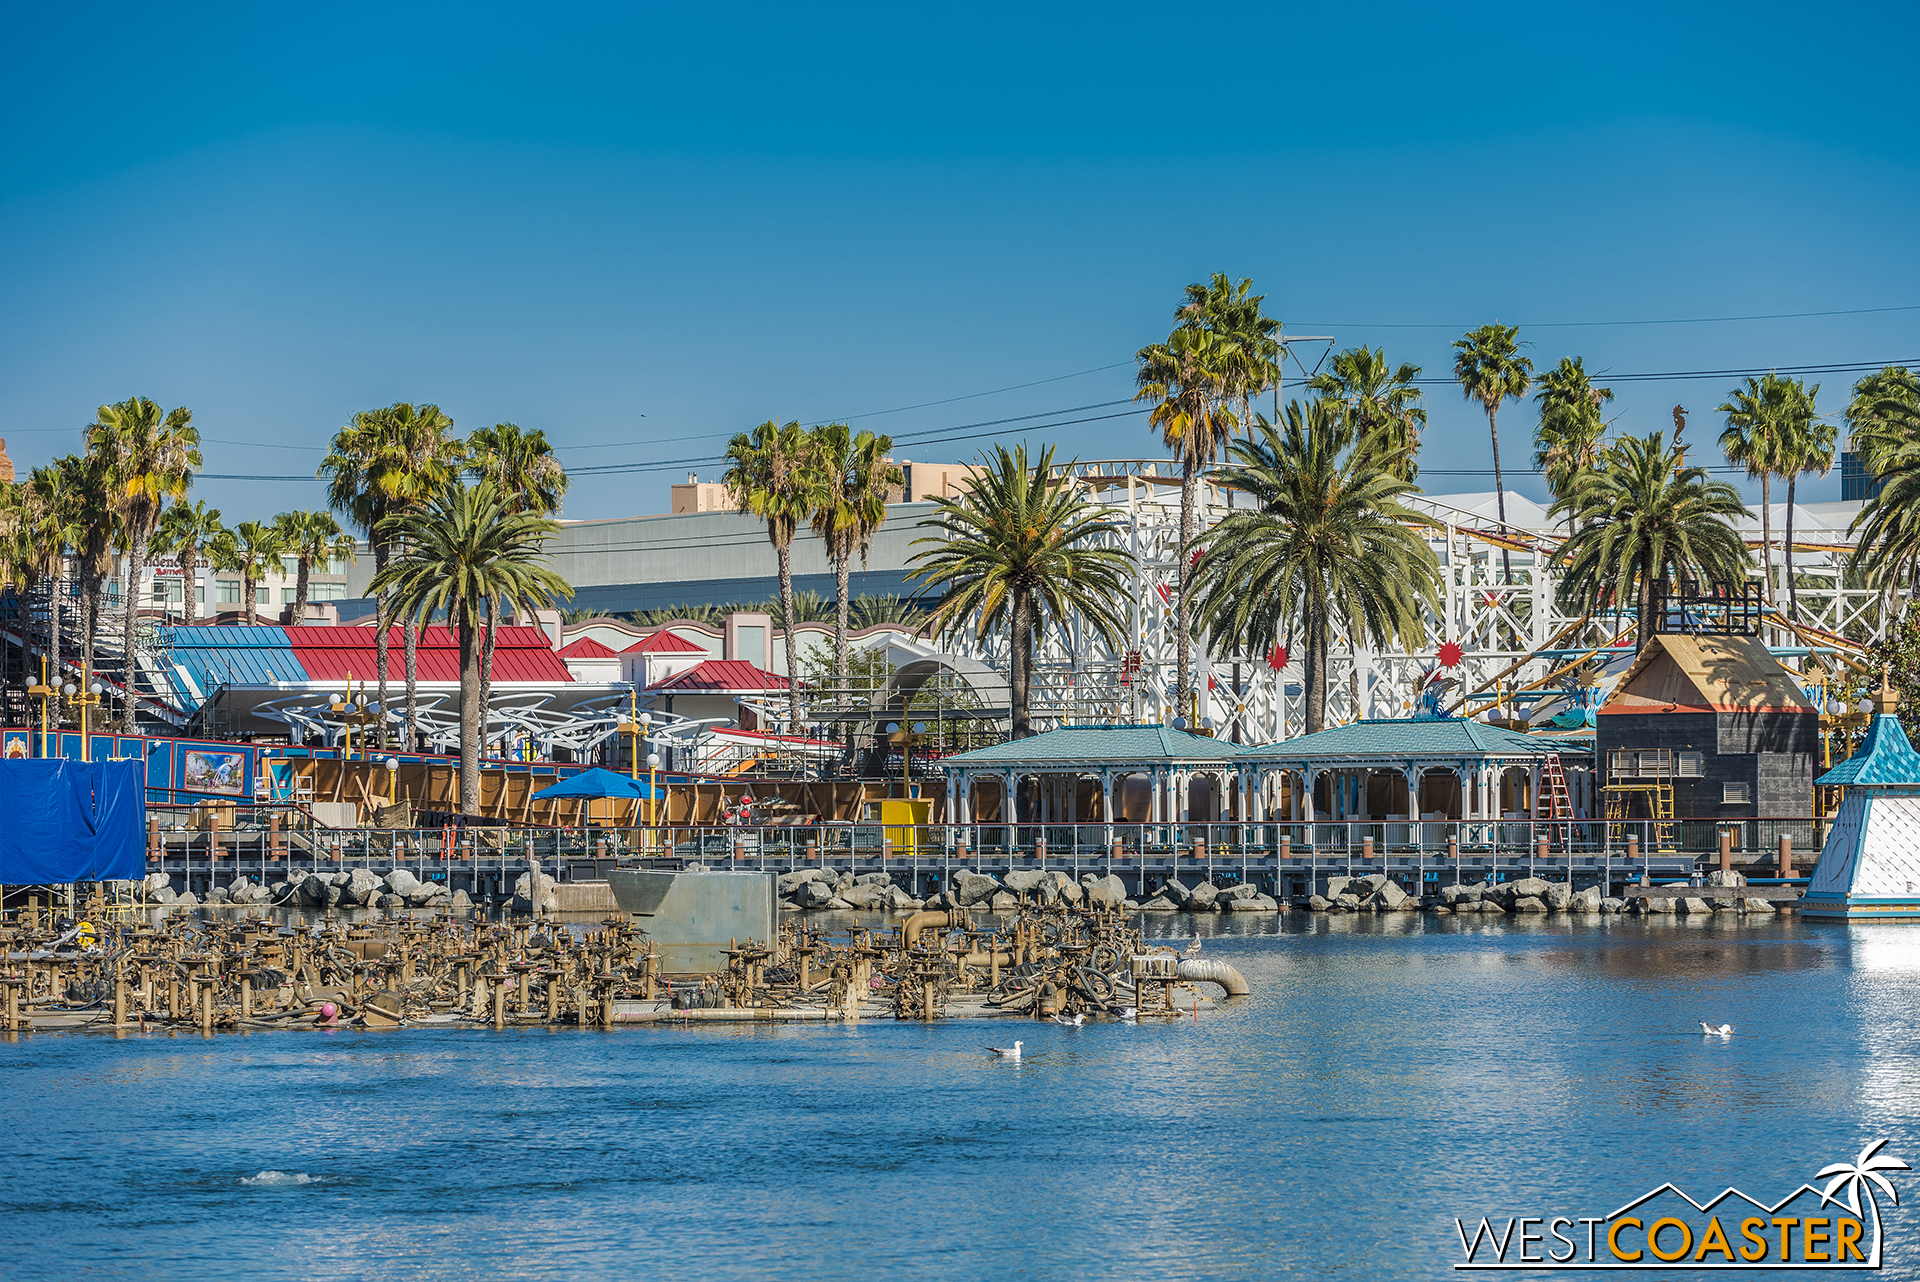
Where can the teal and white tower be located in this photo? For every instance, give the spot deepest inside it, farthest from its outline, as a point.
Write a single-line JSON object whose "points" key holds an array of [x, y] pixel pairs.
{"points": [[1870, 868]]}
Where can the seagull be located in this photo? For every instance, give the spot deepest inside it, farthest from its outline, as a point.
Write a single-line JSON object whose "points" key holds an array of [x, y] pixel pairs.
{"points": [[1193, 949], [1075, 1022], [1725, 1030], [1126, 1016], [1012, 1053]]}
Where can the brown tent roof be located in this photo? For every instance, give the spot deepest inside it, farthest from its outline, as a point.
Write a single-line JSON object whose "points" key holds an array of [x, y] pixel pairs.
{"points": [[1682, 673]]}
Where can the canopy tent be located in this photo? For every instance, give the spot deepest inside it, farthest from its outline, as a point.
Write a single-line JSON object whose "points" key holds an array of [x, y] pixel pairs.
{"points": [[599, 782]]}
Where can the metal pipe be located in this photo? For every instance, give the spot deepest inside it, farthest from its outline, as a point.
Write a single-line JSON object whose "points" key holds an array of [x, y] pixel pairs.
{"points": [[1215, 972], [911, 928]]}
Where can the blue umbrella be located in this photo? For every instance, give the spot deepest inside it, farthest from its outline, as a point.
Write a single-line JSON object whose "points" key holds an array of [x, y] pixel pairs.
{"points": [[598, 783]]}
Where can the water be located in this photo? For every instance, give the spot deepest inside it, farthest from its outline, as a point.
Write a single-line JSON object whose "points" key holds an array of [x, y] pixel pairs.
{"points": [[1388, 1074]]}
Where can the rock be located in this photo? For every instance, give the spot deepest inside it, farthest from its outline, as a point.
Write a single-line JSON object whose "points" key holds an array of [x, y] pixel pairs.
{"points": [[1529, 904], [1026, 880], [1003, 902], [1759, 908], [1492, 906], [1175, 890], [842, 884], [1065, 887], [341, 879], [1585, 901], [1558, 896], [186, 899], [1318, 903], [1131, 906], [785, 884], [898, 900], [1104, 892], [1609, 904], [402, 882], [157, 882], [1238, 892], [1201, 900], [1651, 905], [360, 885], [812, 894], [873, 879], [1347, 901], [1530, 888], [970, 888], [460, 899], [1389, 896], [217, 895], [1256, 903], [837, 904], [867, 896], [313, 891], [1159, 904], [1441, 910], [1337, 886], [1696, 907], [1728, 878]]}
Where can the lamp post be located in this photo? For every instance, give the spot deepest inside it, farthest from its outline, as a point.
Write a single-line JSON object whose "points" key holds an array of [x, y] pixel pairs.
{"points": [[351, 709], [653, 793], [44, 693], [393, 781], [85, 696]]}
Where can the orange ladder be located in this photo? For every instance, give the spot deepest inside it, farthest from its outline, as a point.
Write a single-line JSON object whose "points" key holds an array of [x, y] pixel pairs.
{"points": [[1556, 802]]}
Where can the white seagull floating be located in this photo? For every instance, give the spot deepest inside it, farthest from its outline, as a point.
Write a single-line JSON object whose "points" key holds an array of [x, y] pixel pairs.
{"points": [[1725, 1030], [1004, 1052], [1075, 1022]]}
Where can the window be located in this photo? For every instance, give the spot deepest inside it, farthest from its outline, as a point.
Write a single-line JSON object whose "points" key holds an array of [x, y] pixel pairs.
{"points": [[226, 591], [326, 591], [290, 566], [338, 565], [1735, 794], [262, 596], [1691, 765], [289, 595]]}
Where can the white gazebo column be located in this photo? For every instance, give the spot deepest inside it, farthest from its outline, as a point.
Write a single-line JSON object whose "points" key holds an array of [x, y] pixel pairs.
{"points": [[1307, 779], [953, 805], [1106, 807]]}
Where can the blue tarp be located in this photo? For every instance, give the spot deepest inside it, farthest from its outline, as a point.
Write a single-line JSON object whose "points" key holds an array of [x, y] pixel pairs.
{"points": [[72, 821], [597, 783]]}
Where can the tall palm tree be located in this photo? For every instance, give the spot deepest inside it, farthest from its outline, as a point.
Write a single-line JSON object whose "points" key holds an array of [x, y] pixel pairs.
{"points": [[854, 476], [149, 459], [1329, 543], [1017, 550], [1567, 441], [771, 475], [1645, 517], [96, 518], [1806, 445], [1234, 313], [1379, 398], [466, 548], [255, 546], [1883, 415], [184, 532], [522, 464], [1491, 370], [1754, 438], [388, 462], [309, 537], [53, 520], [1190, 376]]}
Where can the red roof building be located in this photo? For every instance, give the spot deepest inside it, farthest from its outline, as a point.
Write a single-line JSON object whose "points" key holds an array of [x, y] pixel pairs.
{"points": [[587, 648], [661, 642], [722, 676], [332, 653]]}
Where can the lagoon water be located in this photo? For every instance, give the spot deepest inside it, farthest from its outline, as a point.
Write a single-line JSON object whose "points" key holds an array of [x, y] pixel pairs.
{"points": [[1387, 1075]]}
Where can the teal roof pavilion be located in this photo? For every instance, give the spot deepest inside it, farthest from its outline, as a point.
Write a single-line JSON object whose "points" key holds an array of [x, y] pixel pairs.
{"points": [[1886, 758]]}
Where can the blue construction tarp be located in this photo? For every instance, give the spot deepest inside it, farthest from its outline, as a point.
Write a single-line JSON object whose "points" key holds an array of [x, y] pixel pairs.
{"points": [[72, 821]]}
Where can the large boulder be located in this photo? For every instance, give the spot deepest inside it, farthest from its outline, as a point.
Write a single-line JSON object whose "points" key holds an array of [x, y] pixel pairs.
{"points": [[1104, 892], [813, 894], [1729, 877], [1254, 903], [1318, 903], [1024, 881], [787, 882], [873, 879], [361, 883], [1661, 905], [1693, 906], [218, 895], [1003, 901], [1159, 904], [842, 884], [459, 899], [1492, 906], [157, 882], [1063, 887], [1202, 898], [533, 892], [402, 882], [1529, 904], [970, 888], [1585, 901], [1608, 904], [1758, 908], [1229, 893], [1559, 895], [868, 896], [1530, 888], [1175, 890], [1389, 897], [897, 900], [315, 889], [187, 899]]}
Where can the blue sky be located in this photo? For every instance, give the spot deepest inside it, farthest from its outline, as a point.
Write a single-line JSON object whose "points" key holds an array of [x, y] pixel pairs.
{"points": [[644, 229]]}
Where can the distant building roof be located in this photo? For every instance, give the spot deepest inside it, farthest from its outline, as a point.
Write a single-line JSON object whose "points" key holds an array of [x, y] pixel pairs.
{"points": [[239, 655], [1678, 672], [1134, 745], [587, 648], [1885, 758], [722, 676], [663, 642], [1386, 740]]}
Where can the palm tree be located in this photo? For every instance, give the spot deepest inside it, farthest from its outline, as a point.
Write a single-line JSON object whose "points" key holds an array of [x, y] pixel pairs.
{"points": [[52, 519], [1017, 550], [771, 475], [1191, 376], [149, 459], [854, 476], [1234, 313], [388, 462], [184, 532], [1754, 439], [1643, 518], [1490, 370], [521, 464], [1378, 398], [1883, 416], [310, 537], [97, 525], [1863, 1174], [466, 548], [1806, 445], [253, 548], [1329, 543], [1567, 442]]}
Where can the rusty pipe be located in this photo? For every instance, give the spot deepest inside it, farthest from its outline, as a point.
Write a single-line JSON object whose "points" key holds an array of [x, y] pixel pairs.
{"points": [[911, 928], [1213, 972]]}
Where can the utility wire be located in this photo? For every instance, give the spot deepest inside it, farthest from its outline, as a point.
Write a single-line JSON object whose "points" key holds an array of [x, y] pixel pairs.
{"points": [[1682, 320]]}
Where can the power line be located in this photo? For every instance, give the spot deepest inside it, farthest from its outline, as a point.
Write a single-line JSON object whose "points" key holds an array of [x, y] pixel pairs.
{"points": [[1682, 320], [1671, 376]]}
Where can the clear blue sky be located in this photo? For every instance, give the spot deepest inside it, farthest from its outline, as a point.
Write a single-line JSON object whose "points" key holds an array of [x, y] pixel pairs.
{"points": [[644, 229]]}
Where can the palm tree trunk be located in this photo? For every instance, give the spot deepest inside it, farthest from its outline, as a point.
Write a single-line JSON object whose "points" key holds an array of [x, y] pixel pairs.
{"points": [[136, 570], [1766, 534], [1499, 490], [189, 580], [1020, 666], [380, 624], [469, 720], [486, 661], [89, 620], [1786, 556], [246, 597], [1314, 665], [842, 575], [412, 635], [784, 552], [1644, 629], [53, 629], [300, 589], [1183, 644]]}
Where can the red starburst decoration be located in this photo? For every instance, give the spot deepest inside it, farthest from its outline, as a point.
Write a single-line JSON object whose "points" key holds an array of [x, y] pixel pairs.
{"points": [[1451, 654], [1277, 658]]}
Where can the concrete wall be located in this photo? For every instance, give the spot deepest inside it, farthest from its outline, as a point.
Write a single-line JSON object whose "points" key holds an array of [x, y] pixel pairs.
{"points": [[1771, 752]]}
